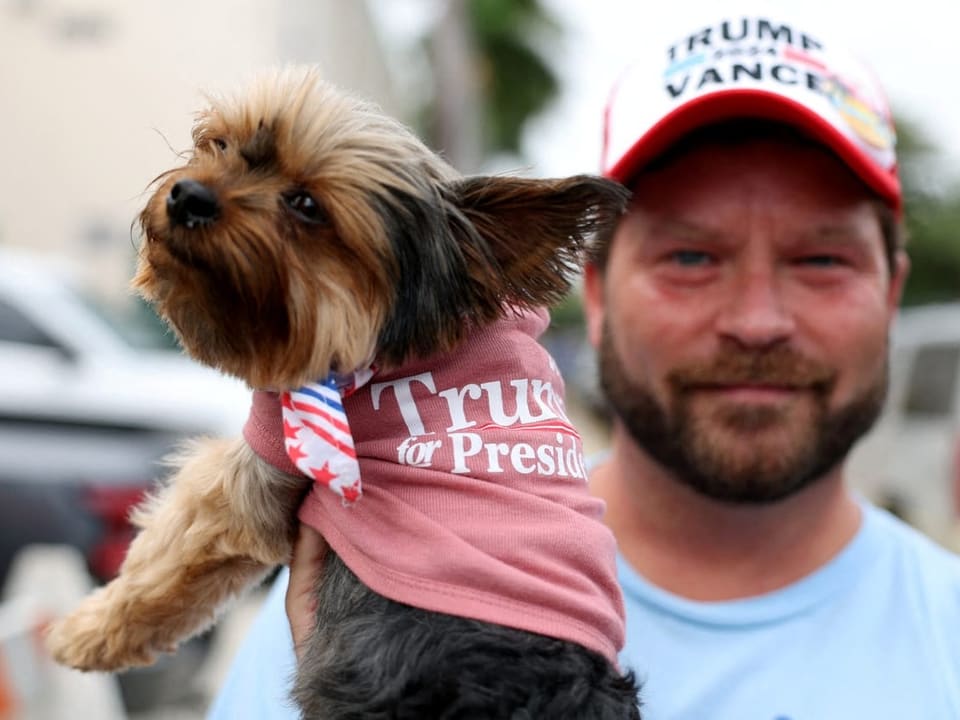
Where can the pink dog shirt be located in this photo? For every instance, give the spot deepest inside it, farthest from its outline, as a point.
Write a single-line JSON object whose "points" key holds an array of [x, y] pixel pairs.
{"points": [[475, 501]]}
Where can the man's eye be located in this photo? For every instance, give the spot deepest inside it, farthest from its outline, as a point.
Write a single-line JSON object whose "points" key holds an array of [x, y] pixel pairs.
{"points": [[821, 261], [690, 258], [302, 204]]}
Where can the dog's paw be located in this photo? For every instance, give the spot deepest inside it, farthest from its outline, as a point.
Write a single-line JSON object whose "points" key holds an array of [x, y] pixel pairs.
{"points": [[97, 637]]}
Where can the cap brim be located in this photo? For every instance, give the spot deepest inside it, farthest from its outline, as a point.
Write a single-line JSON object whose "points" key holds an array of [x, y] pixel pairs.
{"points": [[743, 103]]}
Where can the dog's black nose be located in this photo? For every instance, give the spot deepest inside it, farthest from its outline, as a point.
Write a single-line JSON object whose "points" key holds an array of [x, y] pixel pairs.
{"points": [[192, 204]]}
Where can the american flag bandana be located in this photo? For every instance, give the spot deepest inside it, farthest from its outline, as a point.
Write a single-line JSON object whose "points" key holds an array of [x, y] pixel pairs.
{"points": [[317, 435]]}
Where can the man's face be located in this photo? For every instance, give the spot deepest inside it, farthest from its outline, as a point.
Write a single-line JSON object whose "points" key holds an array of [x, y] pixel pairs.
{"points": [[743, 315]]}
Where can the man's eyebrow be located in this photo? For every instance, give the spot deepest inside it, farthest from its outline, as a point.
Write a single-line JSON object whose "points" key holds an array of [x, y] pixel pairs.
{"points": [[683, 228], [844, 232]]}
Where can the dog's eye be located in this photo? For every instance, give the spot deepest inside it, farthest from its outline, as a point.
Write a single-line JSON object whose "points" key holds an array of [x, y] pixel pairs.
{"points": [[304, 206], [220, 143]]}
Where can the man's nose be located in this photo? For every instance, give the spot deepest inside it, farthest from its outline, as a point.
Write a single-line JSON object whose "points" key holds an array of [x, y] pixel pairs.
{"points": [[754, 314]]}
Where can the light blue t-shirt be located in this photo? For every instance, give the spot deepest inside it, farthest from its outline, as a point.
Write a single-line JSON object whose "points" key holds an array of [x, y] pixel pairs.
{"points": [[874, 634]]}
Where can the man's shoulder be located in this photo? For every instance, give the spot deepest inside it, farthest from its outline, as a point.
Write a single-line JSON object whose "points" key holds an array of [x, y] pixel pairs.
{"points": [[911, 540], [923, 562]]}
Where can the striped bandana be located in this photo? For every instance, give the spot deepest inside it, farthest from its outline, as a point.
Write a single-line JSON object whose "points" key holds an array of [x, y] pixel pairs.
{"points": [[317, 436]]}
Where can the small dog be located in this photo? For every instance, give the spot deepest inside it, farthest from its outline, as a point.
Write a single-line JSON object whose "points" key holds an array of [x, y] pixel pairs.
{"points": [[307, 237]]}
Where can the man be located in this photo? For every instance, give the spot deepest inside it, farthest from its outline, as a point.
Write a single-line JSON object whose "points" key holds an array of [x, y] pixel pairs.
{"points": [[741, 314]]}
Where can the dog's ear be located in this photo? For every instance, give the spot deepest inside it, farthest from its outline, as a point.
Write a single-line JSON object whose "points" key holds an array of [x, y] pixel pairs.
{"points": [[467, 253], [526, 238]]}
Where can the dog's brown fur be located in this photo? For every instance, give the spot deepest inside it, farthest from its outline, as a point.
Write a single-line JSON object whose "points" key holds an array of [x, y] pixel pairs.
{"points": [[402, 258], [200, 544]]}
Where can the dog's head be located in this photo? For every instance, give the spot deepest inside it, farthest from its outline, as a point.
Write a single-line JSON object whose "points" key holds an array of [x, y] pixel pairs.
{"points": [[308, 232]]}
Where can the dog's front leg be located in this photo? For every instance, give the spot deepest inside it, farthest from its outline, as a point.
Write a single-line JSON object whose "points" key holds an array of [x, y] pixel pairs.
{"points": [[223, 520]]}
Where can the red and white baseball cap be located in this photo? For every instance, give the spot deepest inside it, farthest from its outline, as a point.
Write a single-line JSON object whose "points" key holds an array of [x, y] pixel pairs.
{"points": [[752, 64]]}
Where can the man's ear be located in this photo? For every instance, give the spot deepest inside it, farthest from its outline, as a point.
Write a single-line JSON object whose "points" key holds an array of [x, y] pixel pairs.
{"points": [[898, 279], [593, 303], [535, 232]]}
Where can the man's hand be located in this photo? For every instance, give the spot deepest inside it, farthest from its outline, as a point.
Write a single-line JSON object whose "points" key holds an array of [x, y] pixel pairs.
{"points": [[306, 567]]}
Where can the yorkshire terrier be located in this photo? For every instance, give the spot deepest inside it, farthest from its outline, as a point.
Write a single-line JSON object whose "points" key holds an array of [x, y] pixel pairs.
{"points": [[385, 310]]}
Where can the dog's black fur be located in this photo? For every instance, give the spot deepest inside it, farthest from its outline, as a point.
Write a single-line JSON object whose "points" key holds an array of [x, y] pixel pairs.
{"points": [[377, 659]]}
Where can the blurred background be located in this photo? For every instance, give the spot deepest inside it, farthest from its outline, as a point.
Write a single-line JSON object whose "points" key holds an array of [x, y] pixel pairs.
{"points": [[98, 97]]}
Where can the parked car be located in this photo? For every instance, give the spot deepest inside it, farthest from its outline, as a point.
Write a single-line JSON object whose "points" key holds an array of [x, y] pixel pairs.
{"points": [[85, 418], [909, 460]]}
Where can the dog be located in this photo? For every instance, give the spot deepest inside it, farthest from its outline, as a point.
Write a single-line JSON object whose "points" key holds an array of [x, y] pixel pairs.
{"points": [[315, 248]]}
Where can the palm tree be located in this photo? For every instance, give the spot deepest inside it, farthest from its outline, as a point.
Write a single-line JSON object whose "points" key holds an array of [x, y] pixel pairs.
{"points": [[488, 77], [932, 217]]}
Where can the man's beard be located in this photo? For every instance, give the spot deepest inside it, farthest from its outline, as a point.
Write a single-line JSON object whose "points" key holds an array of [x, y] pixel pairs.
{"points": [[722, 451]]}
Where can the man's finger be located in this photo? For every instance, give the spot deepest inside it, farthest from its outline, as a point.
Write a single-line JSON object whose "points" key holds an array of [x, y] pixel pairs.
{"points": [[306, 566]]}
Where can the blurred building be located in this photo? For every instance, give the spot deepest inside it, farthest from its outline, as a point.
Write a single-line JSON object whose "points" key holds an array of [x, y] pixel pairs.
{"points": [[99, 96]]}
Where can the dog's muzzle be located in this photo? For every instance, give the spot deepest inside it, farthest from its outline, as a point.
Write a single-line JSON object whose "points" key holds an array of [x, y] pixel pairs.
{"points": [[192, 204]]}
